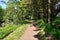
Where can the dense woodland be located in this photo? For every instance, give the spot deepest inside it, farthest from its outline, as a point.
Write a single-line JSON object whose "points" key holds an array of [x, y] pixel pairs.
{"points": [[44, 13]]}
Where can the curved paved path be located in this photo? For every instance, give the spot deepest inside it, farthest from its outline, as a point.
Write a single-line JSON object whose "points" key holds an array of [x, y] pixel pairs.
{"points": [[29, 33]]}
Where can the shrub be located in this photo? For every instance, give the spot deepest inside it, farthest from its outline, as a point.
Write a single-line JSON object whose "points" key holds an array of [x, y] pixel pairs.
{"points": [[17, 33], [4, 31]]}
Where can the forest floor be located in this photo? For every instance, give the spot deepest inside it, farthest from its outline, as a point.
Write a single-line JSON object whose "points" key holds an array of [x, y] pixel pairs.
{"points": [[30, 33]]}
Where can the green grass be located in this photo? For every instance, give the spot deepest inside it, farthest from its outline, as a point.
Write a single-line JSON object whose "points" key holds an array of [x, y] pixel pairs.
{"points": [[17, 33], [4, 31]]}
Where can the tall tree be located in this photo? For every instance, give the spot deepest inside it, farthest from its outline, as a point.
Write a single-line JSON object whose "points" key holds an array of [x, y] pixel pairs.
{"points": [[1, 15]]}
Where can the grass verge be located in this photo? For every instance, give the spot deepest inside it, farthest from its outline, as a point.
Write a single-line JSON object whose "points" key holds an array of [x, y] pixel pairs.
{"points": [[5, 31], [17, 33]]}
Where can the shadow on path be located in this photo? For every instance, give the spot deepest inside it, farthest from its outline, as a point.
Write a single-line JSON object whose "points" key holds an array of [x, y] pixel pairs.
{"points": [[36, 35], [31, 33]]}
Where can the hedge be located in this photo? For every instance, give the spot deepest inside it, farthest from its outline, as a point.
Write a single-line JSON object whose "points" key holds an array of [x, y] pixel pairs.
{"points": [[17, 33]]}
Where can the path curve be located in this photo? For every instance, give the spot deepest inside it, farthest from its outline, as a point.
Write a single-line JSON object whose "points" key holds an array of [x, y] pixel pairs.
{"points": [[29, 33]]}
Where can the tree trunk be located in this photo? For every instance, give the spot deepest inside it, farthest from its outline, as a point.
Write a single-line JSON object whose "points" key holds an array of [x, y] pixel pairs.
{"points": [[49, 12]]}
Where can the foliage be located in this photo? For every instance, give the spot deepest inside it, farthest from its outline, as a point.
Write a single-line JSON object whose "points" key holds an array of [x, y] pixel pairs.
{"points": [[4, 31], [51, 30], [17, 33], [40, 24], [1, 13], [15, 13], [18, 11]]}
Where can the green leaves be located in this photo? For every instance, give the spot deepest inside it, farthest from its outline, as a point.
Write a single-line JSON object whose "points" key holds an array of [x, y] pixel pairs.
{"points": [[4, 31], [1, 13]]}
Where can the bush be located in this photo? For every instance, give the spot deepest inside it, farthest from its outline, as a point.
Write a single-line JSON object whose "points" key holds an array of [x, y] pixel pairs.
{"points": [[17, 33], [52, 30], [40, 24], [4, 31]]}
